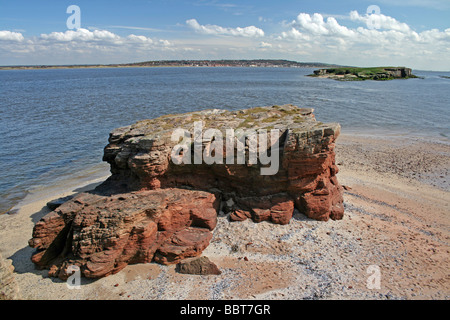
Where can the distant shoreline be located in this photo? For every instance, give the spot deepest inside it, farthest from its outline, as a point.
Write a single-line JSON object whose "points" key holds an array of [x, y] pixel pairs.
{"points": [[196, 63], [182, 63]]}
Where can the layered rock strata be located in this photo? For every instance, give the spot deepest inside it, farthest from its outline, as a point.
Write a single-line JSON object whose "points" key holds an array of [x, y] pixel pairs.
{"points": [[154, 208]]}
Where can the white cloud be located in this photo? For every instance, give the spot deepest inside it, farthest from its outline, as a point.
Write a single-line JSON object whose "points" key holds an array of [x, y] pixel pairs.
{"points": [[346, 40], [80, 46], [81, 35], [209, 29], [11, 36], [294, 34], [377, 29], [316, 25], [377, 39], [139, 39], [103, 37], [265, 45], [380, 21], [164, 43]]}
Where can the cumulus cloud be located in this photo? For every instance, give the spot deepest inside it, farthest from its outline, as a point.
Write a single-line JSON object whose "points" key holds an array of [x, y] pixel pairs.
{"points": [[11, 36], [353, 39], [79, 46], [316, 25], [265, 45], [294, 34], [380, 21], [376, 29], [377, 38], [81, 35], [84, 36], [140, 39], [209, 29]]}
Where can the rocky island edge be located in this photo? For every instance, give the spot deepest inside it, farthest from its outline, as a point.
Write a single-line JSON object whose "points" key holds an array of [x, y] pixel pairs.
{"points": [[360, 74]]}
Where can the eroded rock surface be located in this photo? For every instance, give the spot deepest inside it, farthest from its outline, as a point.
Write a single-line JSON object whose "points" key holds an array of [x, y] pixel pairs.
{"points": [[152, 209], [103, 234]]}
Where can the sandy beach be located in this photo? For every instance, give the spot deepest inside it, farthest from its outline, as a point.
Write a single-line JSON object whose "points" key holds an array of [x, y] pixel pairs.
{"points": [[396, 221]]}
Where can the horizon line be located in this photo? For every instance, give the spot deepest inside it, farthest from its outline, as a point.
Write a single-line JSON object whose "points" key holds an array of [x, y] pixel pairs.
{"points": [[136, 64]]}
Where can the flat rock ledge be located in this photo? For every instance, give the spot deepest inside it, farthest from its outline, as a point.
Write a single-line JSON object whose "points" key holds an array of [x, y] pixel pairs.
{"points": [[154, 209]]}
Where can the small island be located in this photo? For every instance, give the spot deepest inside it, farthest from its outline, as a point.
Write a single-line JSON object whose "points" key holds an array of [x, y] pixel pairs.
{"points": [[360, 74]]}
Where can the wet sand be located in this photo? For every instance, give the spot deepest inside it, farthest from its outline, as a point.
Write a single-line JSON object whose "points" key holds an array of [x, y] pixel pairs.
{"points": [[396, 220]]}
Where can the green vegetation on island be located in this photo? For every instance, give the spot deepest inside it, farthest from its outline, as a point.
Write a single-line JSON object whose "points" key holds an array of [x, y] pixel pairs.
{"points": [[360, 74]]}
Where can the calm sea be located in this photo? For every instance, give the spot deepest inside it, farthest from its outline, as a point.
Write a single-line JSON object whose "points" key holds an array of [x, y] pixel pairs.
{"points": [[54, 124]]}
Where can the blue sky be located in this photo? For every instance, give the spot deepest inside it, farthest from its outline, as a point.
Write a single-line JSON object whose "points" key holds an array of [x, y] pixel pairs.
{"points": [[413, 33]]}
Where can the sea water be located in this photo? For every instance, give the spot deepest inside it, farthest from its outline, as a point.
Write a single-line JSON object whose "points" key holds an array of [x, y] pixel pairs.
{"points": [[54, 123]]}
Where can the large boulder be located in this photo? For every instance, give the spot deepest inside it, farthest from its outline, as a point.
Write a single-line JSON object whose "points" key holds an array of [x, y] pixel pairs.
{"points": [[160, 203], [103, 234]]}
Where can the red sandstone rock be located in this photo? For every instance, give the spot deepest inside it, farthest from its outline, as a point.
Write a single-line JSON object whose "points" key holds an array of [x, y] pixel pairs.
{"points": [[277, 208], [153, 210], [102, 234]]}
